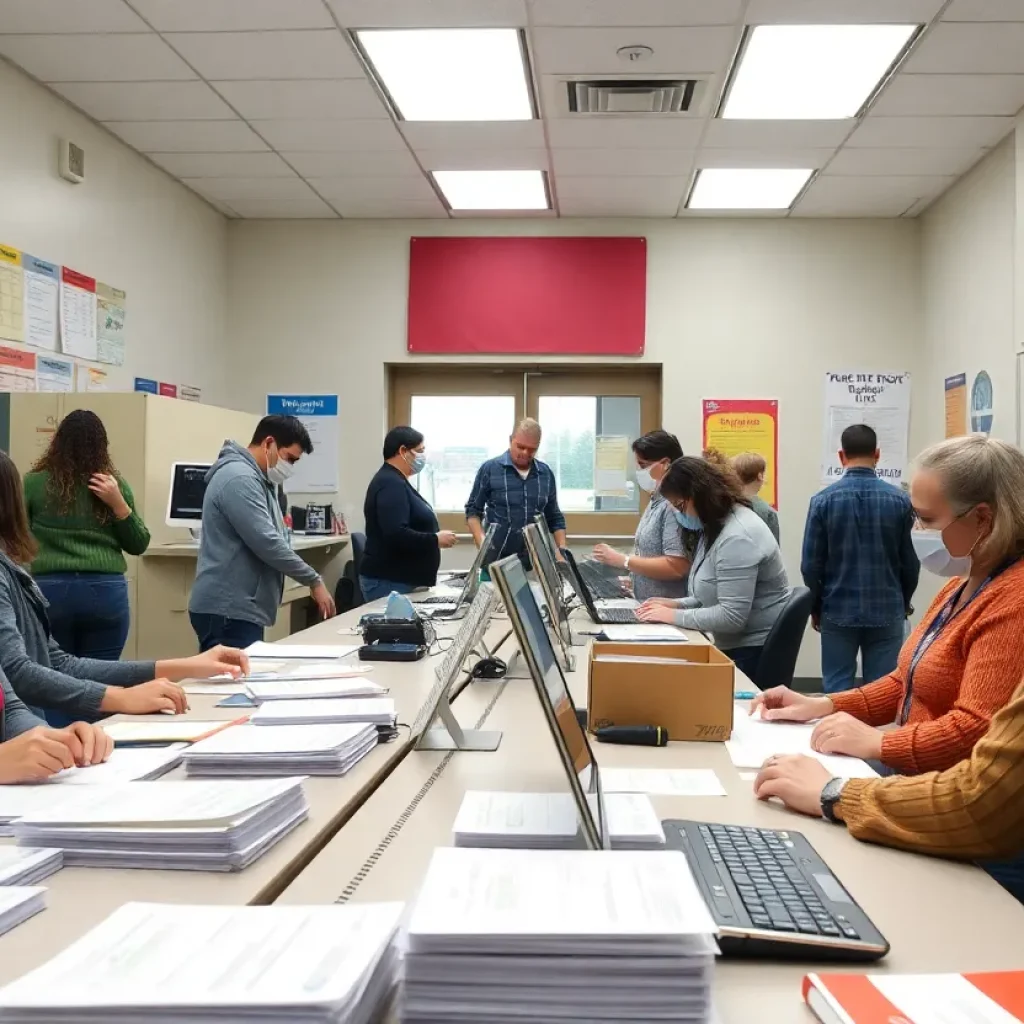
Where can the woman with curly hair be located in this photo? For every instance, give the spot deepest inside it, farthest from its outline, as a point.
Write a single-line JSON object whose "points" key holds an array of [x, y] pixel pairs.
{"points": [[82, 514]]}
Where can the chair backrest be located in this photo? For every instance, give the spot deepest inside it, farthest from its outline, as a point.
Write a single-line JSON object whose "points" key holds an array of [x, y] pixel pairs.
{"points": [[358, 541], [348, 594], [778, 659]]}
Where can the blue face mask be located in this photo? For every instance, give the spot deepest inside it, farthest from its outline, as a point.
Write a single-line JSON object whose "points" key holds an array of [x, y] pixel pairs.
{"points": [[688, 522]]}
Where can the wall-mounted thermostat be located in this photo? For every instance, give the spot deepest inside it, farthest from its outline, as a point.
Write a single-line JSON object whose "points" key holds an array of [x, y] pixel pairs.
{"points": [[72, 162]]}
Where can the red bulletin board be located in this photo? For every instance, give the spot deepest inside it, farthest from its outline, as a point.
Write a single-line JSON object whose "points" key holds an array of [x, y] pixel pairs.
{"points": [[528, 296], [737, 425]]}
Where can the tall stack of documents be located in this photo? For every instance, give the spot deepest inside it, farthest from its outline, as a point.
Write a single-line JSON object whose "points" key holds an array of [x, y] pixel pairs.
{"points": [[374, 710], [21, 865], [549, 821], [512, 935], [18, 903], [245, 750], [165, 964], [311, 689], [221, 825]]}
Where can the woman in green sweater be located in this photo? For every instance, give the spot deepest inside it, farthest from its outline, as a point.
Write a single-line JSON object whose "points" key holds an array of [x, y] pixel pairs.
{"points": [[82, 514]]}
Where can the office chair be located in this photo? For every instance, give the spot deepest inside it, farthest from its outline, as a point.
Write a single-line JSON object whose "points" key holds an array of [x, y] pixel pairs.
{"points": [[348, 594], [778, 659]]}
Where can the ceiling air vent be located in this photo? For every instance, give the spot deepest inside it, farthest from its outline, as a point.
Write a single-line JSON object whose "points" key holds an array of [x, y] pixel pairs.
{"points": [[634, 96]]}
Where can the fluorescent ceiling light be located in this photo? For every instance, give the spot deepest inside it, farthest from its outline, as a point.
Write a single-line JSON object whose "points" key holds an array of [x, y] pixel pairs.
{"points": [[747, 188], [493, 190], [451, 74], [801, 72]]}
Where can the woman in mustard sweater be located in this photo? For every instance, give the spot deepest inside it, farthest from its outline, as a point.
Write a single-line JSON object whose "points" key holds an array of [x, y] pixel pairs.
{"points": [[82, 514]]}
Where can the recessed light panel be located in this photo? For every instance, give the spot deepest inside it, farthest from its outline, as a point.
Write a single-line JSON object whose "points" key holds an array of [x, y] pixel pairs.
{"points": [[493, 190], [747, 188]]}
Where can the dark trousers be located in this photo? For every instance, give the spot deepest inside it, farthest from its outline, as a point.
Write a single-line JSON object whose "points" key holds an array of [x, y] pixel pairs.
{"points": [[212, 630], [746, 659], [879, 648], [374, 589]]}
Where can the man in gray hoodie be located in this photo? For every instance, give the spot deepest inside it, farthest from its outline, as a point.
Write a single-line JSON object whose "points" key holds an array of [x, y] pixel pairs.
{"points": [[244, 554]]}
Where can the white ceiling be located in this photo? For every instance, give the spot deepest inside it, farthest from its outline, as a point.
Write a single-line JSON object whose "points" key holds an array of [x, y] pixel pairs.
{"points": [[263, 108]]}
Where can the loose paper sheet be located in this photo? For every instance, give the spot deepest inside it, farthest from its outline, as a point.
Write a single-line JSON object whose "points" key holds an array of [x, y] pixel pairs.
{"points": [[54, 373], [110, 305], [611, 466], [77, 314], [42, 300], [662, 782], [91, 378]]}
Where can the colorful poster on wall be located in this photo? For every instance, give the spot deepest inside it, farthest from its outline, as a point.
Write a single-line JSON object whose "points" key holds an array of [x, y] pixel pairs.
{"points": [[12, 294], [77, 314], [110, 304], [92, 378], [150, 387], [737, 425], [611, 466], [316, 473], [880, 400], [54, 373], [982, 404], [168, 390], [42, 302], [956, 405], [17, 369]]}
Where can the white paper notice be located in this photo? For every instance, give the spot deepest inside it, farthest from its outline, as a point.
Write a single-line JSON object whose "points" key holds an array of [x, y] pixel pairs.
{"points": [[662, 782], [54, 373], [91, 378], [190, 394], [17, 369], [12, 295], [316, 473], [42, 292], [110, 303], [611, 466], [77, 314]]}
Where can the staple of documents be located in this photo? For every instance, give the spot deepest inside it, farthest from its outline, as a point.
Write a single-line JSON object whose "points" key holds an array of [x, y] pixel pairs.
{"points": [[549, 821], [221, 825], [166, 730], [17, 801], [644, 631], [566, 935], [245, 750], [662, 781], [311, 689], [304, 652], [125, 764], [163, 963], [377, 710], [20, 865], [212, 687], [18, 903]]}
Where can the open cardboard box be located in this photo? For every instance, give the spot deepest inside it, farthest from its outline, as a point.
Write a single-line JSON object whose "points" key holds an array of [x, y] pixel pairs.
{"points": [[687, 689]]}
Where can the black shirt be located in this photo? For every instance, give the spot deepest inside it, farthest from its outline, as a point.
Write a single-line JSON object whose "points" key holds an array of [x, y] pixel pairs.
{"points": [[401, 532]]}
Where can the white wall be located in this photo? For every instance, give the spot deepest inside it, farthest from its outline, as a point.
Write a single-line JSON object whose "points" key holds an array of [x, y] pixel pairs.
{"points": [[129, 225]]}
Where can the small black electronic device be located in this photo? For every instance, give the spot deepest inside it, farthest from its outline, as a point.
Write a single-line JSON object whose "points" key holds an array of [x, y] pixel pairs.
{"points": [[489, 668], [391, 652], [635, 735], [379, 629], [312, 518]]}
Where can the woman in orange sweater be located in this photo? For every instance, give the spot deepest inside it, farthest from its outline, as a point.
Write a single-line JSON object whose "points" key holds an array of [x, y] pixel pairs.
{"points": [[963, 662]]}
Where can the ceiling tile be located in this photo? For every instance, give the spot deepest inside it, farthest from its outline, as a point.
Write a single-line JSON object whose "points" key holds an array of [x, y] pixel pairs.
{"points": [[766, 156], [229, 189], [952, 95], [964, 48], [317, 136], [636, 12], [931, 132], [96, 58], [358, 163], [405, 208], [895, 161], [636, 205], [377, 188], [430, 13], [146, 101], [591, 51], [868, 196], [597, 132], [622, 162], [239, 15], [339, 98], [473, 134], [601, 187], [69, 16], [497, 159], [842, 12], [984, 10], [226, 56], [222, 165], [777, 134], [282, 209], [188, 136]]}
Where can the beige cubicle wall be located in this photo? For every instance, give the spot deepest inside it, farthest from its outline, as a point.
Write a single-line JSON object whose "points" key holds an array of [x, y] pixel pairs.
{"points": [[148, 433]]}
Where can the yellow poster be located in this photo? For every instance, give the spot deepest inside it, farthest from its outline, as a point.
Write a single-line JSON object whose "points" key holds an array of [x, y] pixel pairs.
{"points": [[956, 405], [12, 295], [611, 466], [737, 425]]}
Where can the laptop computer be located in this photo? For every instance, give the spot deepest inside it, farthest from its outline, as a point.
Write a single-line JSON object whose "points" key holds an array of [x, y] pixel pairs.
{"points": [[624, 616]]}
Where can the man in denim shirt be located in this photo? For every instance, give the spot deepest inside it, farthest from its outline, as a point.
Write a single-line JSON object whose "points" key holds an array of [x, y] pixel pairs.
{"points": [[860, 566], [510, 490]]}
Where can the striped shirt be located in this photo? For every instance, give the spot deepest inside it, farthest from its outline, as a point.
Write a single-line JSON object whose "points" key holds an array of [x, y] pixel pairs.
{"points": [[500, 495]]}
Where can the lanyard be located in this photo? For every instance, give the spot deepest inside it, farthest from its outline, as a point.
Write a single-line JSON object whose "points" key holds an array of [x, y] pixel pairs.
{"points": [[931, 634]]}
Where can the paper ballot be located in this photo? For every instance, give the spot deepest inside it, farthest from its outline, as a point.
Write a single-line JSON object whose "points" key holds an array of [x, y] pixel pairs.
{"points": [[378, 710], [644, 631], [306, 689], [314, 652], [663, 782], [18, 903], [126, 764], [20, 865]]}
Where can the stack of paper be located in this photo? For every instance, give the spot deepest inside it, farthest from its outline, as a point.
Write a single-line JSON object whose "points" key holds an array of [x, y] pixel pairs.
{"points": [[18, 903], [17, 801], [20, 865], [375, 710], [125, 764], [200, 826], [160, 731], [311, 689], [306, 652], [549, 821], [165, 964], [644, 631], [514, 935], [245, 750]]}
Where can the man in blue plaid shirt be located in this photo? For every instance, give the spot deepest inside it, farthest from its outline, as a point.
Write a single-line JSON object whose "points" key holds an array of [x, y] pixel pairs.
{"points": [[860, 566]]}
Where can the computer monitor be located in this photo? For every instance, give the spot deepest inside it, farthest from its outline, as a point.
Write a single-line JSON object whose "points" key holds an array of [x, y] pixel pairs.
{"points": [[185, 497], [570, 739], [551, 587]]}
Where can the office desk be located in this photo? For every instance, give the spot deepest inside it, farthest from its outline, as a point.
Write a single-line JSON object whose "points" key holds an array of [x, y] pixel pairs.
{"points": [[937, 915]]}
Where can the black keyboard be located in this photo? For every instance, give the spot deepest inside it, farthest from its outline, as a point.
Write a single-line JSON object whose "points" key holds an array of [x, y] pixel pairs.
{"points": [[598, 580], [438, 599], [618, 616], [773, 896]]}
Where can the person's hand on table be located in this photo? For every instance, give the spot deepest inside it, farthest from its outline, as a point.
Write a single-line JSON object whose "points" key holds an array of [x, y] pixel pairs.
{"points": [[795, 779], [145, 699], [781, 704], [843, 734], [218, 661], [607, 555], [324, 601], [654, 611], [33, 756], [89, 744], [107, 489]]}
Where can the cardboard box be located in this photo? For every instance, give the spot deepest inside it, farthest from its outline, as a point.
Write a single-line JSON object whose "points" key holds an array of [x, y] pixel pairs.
{"points": [[685, 688]]}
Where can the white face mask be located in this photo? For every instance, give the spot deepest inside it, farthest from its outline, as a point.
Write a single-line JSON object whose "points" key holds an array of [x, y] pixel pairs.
{"points": [[280, 471], [644, 480], [934, 555]]}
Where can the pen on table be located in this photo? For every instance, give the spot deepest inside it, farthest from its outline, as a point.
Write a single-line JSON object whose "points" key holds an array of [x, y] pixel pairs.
{"points": [[744, 695]]}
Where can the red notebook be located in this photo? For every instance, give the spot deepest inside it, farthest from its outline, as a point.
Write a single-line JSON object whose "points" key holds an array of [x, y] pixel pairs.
{"points": [[989, 998]]}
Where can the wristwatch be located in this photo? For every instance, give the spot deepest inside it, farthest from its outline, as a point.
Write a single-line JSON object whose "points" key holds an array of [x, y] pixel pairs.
{"points": [[625, 564], [830, 795]]}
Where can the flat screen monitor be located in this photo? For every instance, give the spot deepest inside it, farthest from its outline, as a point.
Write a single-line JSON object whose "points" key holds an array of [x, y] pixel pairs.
{"points": [[185, 500], [551, 587], [571, 741]]}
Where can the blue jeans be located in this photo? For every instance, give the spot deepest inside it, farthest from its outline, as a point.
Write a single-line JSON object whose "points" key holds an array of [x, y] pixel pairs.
{"points": [[374, 589], [879, 648], [212, 630], [1008, 873]]}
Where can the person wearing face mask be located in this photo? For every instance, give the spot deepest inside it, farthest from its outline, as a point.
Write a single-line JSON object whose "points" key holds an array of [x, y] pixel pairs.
{"points": [[737, 585], [659, 562], [403, 538], [966, 656], [244, 554]]}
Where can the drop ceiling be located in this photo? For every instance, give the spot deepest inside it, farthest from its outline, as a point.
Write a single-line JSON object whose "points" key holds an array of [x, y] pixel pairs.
{"points": [[264, 109]]}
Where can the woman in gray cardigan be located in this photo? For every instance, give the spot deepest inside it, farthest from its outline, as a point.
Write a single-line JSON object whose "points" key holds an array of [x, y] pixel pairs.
{"points": [[738, 585]]}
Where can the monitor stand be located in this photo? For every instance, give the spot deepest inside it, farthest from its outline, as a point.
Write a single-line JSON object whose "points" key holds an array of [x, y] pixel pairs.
{"points": [[449, 735]]}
